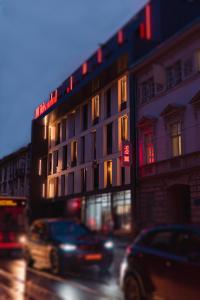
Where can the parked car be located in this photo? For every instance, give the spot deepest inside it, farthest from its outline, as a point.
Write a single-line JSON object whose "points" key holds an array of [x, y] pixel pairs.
{"points": [[163, 263], [59, 244]]}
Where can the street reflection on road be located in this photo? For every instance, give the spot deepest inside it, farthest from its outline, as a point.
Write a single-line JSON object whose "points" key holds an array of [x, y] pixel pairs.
{"points": [[82, 284]]}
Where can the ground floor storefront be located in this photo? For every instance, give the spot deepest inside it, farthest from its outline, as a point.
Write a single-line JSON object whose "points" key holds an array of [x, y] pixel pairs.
{"points": [[107, 212]]}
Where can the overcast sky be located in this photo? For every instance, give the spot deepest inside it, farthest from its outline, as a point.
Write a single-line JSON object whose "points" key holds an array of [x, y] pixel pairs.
{"points": [[41, 43]]}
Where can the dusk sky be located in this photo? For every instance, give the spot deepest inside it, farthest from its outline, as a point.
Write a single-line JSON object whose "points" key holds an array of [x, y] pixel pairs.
{"points": [[41, 43]]}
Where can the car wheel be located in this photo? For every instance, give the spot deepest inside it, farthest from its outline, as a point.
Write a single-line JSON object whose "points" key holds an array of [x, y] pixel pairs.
{"points": [[55, 262], [132, 289]]}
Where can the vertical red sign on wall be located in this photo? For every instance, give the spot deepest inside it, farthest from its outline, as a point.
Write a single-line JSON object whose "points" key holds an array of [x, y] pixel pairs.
{"points": [[126, 155]]}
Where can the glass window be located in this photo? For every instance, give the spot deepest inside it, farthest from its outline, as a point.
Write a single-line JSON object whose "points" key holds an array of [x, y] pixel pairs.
{"points": [[71, 183], [108, 103], [174, 74], [109, 138], [64, 158], [96, 176], [176, 139], [85, 117], [82, 149], [147, 90], [124, 128], [64, 122], [84, 179], [62, 185], [95, 109], [109, 173], [162, 241], [55, 161], [122, 210], [73, 153], [68, 228], [58, 134], [149, 148], [94, 150]]}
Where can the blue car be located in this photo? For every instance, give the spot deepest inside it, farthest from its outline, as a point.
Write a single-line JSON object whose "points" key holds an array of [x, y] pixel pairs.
{"points": [[60, 244]]}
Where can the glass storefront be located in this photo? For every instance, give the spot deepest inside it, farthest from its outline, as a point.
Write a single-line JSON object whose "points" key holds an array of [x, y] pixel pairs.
{"points": [[108, 212]]}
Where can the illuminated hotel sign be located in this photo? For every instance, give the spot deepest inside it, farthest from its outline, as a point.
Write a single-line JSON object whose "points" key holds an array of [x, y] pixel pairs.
{"points": [[46, 105], [126, 155]]}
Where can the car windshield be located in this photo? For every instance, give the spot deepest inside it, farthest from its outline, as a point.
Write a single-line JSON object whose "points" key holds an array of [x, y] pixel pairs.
{"points": [[68, 228]]}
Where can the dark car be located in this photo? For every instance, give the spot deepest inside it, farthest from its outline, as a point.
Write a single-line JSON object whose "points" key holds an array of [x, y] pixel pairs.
{"points": [[60, 244], [163, 263]]}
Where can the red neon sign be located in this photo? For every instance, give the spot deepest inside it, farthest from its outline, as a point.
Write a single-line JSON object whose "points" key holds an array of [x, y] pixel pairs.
{"points": [[71, 83], [126, 154], [120, 37], [84, 68], [148, 21], [99, 56], [146, 27], [46, 105]]}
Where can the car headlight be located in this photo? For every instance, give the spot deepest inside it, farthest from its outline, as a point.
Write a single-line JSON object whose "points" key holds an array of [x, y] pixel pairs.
{"points": [[108, 245], [22, 239], [68, 247]]}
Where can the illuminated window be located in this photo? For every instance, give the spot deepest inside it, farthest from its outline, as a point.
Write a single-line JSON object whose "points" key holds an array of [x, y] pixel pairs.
{"points": [[45, 127], [124, 128], [73, 153], [176, 139], [122, 92], [95, 109], [51, 188], [40, 167], [149, 148], [43, 190], [109, 173]]}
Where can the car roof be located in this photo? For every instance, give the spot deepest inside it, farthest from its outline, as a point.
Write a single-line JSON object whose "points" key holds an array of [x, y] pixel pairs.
{"points": [[175, 227]]}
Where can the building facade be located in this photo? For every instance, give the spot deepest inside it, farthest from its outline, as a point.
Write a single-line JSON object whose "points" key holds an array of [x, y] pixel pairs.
{"points": [[84, 135], [168, 126], [15, 173]]}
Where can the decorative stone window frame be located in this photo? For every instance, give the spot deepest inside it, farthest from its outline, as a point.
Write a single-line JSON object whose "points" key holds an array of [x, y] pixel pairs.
{"points": [[171, 114], [146, 125]]}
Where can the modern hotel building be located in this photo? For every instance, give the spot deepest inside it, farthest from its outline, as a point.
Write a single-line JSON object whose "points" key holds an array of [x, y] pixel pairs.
{"points": [[84, 136]]}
